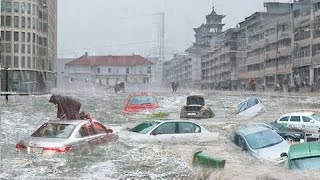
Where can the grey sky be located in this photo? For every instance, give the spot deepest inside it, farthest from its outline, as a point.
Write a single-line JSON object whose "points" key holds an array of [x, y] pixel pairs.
{"points": [[132, 26]]}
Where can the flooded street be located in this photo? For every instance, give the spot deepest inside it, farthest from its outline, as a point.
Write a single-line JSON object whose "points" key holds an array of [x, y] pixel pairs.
{"points": [[128, 160]]}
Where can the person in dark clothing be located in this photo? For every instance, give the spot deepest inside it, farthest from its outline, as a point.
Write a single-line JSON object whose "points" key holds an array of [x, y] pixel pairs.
{"points": [[68, 108]]}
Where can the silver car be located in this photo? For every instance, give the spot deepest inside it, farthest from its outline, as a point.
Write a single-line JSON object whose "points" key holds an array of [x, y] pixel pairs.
{"points": [[262, 143], [76, 136]]}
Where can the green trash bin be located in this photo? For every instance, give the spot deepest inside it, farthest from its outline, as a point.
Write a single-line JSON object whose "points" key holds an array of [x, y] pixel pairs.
{"points": [[207, 161]]}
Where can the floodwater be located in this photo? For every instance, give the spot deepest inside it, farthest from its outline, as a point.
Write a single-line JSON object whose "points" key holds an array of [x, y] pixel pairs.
{"points": [[129, 160]]}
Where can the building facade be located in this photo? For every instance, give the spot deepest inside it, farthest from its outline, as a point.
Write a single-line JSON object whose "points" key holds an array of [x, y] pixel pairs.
{"points": [[28, 45], [109, 70]]}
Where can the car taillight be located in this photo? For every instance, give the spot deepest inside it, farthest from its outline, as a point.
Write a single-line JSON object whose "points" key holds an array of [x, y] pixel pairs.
{"points": [[58, 149], [20, 146]]}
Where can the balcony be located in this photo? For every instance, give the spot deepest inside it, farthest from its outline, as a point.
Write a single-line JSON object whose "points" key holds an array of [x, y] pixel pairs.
{"points": [[305, 61], [254, 60]]}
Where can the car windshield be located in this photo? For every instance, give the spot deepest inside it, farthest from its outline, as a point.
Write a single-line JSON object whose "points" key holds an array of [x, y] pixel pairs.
{"points": [[54, 130], [316, 116], [263, 139], [144, 127], [305, 163], [142, 100], [275, 125]]}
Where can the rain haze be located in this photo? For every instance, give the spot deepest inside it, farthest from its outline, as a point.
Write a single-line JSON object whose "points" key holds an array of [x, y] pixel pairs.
{"points": [[103, 27]]}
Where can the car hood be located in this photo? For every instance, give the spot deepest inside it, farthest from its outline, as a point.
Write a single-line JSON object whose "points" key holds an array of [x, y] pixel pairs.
{"points": [[273, 153], [44, 142]]}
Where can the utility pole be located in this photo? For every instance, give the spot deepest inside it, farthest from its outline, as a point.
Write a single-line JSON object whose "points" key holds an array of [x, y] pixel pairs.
{"points": [[161, 41]]}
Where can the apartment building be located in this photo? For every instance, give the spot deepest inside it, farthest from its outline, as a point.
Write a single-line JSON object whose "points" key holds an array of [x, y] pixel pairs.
{"points": [[28, 45]]}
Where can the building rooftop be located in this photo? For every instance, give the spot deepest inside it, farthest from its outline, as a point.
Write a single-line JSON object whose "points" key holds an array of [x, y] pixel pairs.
{"points": [[110, 60]]}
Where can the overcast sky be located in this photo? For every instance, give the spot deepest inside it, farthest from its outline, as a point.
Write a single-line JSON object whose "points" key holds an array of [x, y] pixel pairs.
{"points": [[103, 27]]}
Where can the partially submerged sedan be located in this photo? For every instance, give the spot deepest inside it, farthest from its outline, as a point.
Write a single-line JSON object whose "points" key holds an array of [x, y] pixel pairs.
{"points": [[76, 136], [195, 108], [262, 143], [169, 131], [137, 102]]}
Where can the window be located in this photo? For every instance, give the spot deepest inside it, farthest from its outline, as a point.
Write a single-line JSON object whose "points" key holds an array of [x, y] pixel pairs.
{"points": [[306, 119], [3, 7], [8, 6], [149, 70], [185, 127], [16, 7], [99, 129], [16, 36], [29, 23], [23, 48], [109, 70], [295, 119], [23, 21], [98, 70], [2, 20], [33, 9], [165, 128], [23, 6], [87, 130], [29, 49], [239, 141], [8, 21], [8, 48], [286, 118], [29, 37], [16, 21], [29, 8], [127, 70], [8, 61], [16, 48], [23, 62], [16, 61], [8, 35], [23, 37], [28, 61]]}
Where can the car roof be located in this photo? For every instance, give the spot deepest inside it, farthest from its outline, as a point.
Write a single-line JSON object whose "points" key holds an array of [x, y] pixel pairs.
{"points": [[169, 120], [74, 122], [252, 129], [140, 94], [299, 114], [302, 150]]}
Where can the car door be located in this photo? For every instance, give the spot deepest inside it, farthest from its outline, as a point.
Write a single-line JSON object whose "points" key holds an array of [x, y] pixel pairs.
{"points": [[284, 121], [295, 122], [165, 132], [88, 135], [309, 124], [187, 131]]}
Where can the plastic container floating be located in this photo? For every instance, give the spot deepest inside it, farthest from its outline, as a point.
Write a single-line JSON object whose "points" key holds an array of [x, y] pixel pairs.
{"points": [[207, 161]]}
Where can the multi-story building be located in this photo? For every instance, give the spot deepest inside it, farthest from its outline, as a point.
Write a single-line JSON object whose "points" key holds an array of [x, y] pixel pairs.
{"points": [[28, 45], [92, 71]]}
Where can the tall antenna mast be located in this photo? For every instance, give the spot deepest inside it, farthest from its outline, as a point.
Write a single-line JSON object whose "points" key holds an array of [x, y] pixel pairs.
{"points": [[162, 28]]}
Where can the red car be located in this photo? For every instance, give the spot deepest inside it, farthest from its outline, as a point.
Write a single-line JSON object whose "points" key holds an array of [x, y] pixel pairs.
{"points": [[138, 102]]}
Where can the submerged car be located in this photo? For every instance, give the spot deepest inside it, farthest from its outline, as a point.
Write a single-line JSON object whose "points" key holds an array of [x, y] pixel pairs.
{"points": [[249, 107], [169, 131], [262, 143], [304, 156], [309, 121], [289, 134], [67, 136], [137, 102], [196, 108]]}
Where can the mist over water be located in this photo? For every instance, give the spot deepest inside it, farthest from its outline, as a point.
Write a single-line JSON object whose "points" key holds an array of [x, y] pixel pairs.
{"points": [[22, 115]]}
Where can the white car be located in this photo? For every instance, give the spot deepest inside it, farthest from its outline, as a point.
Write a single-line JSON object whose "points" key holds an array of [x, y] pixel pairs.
{"points": [[262, 143], [309, 121], [249, 107], [168, 131]]}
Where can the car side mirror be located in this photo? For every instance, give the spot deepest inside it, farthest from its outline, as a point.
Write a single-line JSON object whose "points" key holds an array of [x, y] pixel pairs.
{"points": [[153, 133], [109, 130], [312, 121]]}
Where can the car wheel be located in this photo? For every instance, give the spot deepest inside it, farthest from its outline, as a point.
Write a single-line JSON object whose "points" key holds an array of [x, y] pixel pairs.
{"points": [[289, 139]]}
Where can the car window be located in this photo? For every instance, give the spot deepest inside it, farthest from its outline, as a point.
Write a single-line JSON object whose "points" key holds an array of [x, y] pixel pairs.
{"points": [[284, 119], [239, 141], [87, 130], [306, 119], [185, 127], [99, 128], [166, 128], [263, 139], [295, 119], [316, 117], [54, 130], [143, 100]]}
